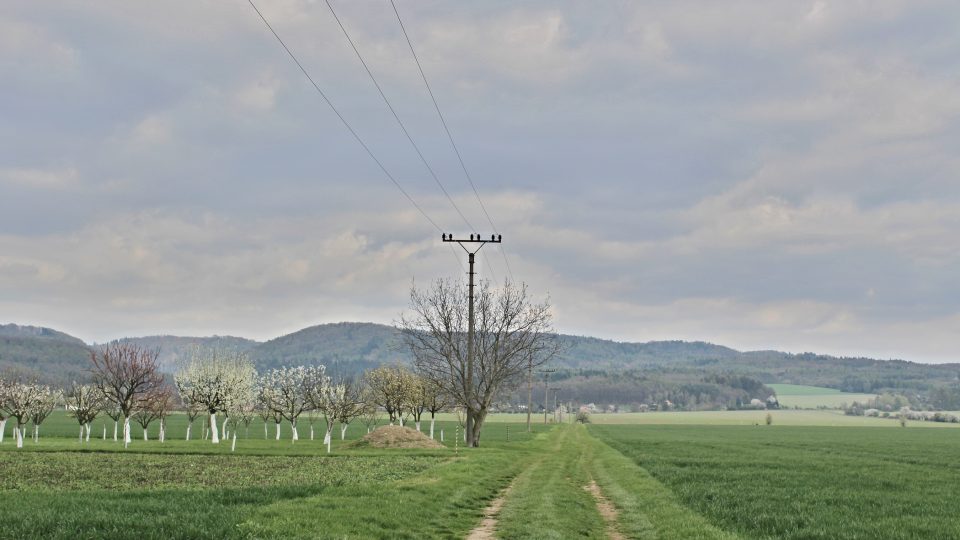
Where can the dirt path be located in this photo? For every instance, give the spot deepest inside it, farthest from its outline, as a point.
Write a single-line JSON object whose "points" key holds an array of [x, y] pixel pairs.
{"points": [[607, 511], [487, 527]]}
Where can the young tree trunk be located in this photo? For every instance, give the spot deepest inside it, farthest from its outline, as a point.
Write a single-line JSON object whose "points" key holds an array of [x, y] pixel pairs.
{"points": [[311, 432], [223, 429], [114, 431], [126, 432], [19, 432], [401, 421], [293, 426], [265, 434], [278, 431], [36, 433], [327, 437], [432, 421], [104, 431], [88, 431], [189, 426], [441, 435], [343, 431], [145, 435], [81, 434], [417, 423], [214, 428], [3, 427], [163, 431], [233, 445]]}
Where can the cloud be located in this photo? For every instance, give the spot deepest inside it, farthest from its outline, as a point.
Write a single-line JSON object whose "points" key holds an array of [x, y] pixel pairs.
{"points": [[761, 175]]}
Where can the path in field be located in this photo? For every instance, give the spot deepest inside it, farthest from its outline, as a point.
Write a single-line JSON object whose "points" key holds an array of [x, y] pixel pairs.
{"points": [[485, 531], [607, 511]]}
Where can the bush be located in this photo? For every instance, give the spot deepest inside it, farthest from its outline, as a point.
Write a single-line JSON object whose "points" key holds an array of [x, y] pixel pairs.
{"points": [[583, 417]]}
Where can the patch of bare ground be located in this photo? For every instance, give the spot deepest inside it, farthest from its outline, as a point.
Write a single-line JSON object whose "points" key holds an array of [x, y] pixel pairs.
{"points": [[607, 511], [485, 530], [396, 437]]}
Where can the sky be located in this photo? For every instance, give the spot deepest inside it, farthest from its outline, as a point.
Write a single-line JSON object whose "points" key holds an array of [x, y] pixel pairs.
{"points": [[763, 175]]}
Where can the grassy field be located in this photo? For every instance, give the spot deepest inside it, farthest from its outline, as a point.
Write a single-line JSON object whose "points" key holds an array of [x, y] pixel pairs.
{"points": [[812, 474], [804, 482], [811, 397]]}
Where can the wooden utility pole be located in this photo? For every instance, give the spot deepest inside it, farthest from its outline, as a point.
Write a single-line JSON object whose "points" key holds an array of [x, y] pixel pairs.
{"points": [[529, 387], [546, 391], [468, 391]]}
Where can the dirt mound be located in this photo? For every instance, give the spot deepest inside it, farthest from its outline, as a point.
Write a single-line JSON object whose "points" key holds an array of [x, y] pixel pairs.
{"points": [[396, 437]]}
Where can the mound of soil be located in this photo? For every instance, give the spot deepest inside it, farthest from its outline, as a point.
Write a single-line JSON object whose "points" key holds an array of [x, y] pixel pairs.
{"points": [[396, 437]]}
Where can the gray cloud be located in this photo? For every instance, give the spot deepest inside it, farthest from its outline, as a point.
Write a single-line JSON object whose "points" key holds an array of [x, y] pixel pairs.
{"points": [[760, 174]]}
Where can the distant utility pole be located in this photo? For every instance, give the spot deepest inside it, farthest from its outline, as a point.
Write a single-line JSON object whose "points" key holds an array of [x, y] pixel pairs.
{"points": [[546, 390], [474, 239], [529, 386]]}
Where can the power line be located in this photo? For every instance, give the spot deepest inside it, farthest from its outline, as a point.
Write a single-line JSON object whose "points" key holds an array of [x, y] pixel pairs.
{"points": [[395, 115], [446, 129], [348, 126], [403, 127]]}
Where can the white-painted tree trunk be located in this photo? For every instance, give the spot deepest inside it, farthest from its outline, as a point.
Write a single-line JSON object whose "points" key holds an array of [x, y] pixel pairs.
{"points": [[417, 423], [3, 427], [441, 435], [81, 434], [36, 433], [368, 430], [343, 431], [213, 428], [223, 428], [293, 425], [114, 431], [327, 437], [311, 432], [145, 435], [265, 434], [233, 445], [163, 434], [278, 431], [126, 431], [88, 431], [104, 432], [189, 426], [432, 421], [401, 421], [19, 433]]}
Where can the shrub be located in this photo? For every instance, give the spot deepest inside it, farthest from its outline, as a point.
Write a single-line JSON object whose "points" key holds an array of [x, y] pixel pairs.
{"points": [[583, 417]]}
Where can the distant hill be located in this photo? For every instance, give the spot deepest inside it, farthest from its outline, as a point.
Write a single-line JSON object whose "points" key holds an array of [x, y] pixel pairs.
{"points": [[344, 348], [174, 348], [675, 369], [35, 352]]}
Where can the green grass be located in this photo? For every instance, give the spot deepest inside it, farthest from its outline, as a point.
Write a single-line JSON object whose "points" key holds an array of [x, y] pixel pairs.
{"points": [[60, 488], [551, 489], [804, 482], [783, 417], [812, 397]]}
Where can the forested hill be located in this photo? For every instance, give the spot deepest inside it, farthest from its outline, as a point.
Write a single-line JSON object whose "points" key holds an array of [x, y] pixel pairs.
{"points": [[353, 347], [42, 353]]}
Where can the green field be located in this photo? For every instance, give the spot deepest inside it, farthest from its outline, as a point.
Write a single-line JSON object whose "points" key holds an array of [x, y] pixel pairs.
{"points": [[812, 397], [812, 474]]}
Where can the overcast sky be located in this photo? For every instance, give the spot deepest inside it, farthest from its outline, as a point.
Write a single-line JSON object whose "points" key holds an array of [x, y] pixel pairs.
{"points": [[757, 174]]}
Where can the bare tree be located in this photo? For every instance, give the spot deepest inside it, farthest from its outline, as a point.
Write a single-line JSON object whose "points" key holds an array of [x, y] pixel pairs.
{"points": [[435, 400], [511, 332], [155, 405], [84, 402], [126, 374]]}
